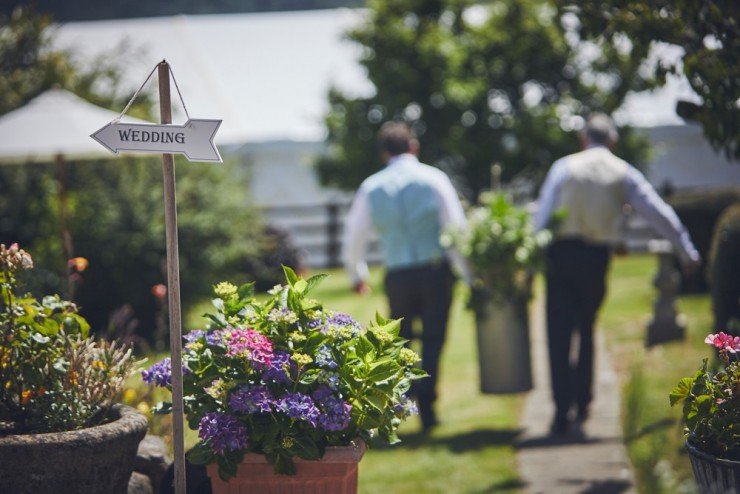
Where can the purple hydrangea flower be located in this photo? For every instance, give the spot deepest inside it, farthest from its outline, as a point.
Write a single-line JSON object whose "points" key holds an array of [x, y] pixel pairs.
{"points": [[212, 337], [279, 368], [341, 319], [406, 407], [300, 407], [252, 400], [336, 412], [159, 374], [223, 432], [324, 358]]}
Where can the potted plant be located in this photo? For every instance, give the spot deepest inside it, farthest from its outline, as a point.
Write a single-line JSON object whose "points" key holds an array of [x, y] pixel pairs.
{"points": [[503, 251], [59, 429], [284, 394], [711, 414]]}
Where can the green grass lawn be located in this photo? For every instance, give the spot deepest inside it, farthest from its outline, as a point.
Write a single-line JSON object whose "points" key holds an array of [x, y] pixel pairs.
{"points": [[470, 452], [652, 429]]}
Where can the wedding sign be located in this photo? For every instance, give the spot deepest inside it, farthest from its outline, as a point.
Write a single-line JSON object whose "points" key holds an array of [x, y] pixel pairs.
{"points": [[194, 140]]}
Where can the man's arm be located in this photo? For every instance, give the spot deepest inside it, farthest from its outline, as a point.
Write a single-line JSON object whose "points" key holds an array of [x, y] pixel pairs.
{"points": [[452, 216], [549, 194], [357, 226], [643, 198]]}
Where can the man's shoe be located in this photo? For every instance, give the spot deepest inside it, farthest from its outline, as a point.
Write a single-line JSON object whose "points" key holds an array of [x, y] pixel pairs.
{"points": [[428, 422], [560, 425], [582, 413]]}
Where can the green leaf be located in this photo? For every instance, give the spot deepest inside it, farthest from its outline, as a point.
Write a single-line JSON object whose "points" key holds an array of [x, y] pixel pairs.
{"points": [[681, 391], [383, 371], [38, 337], [246, 290], [290, 275], [226, 468], [380, 320], [314, 281], [364, 347], [300, 286], [305, 447], [200, 454], [218, 304]]}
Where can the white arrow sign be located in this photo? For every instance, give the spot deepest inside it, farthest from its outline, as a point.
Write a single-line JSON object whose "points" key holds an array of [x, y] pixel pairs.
{"points": [[194, 139]]}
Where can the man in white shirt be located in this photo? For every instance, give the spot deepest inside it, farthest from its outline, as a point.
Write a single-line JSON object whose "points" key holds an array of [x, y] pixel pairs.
{"points": [[591, 187], [409, 204]]}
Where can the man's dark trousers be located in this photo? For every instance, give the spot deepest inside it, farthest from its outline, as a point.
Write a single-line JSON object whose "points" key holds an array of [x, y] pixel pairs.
{"points": [[576, 285], [425, 292]]}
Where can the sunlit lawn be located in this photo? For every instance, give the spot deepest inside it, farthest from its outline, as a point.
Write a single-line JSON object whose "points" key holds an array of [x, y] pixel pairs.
{"points": [[652, 428], [470, 452]]}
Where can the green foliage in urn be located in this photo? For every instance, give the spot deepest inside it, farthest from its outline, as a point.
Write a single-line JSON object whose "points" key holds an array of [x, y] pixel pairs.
{"points": [[54, 378], [286, 378], [711, 401], [502, 248]]}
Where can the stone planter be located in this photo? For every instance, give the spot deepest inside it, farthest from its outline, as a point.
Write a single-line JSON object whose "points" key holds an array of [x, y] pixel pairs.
{"points": [[96, 460], [503, 347], [335, 473], [714, 475]]}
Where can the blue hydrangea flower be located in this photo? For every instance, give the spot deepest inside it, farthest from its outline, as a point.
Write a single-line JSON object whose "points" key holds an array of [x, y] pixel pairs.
{"points": [[222, 432], [279, 368], [300, 407], [324, 358], [405, 408], [331, 379], [252, 400]]}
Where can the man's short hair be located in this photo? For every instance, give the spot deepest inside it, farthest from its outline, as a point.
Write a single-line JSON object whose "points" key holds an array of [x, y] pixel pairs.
{"points": [[395, 138], [600, 129]]}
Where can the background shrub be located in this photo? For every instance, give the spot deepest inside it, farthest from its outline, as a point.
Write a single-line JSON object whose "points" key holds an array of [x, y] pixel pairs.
{"points": [[724, 270]]}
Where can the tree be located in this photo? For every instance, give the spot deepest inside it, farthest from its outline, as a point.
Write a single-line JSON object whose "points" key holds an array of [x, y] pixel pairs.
{"points": [[478, 83], [709, 33]]}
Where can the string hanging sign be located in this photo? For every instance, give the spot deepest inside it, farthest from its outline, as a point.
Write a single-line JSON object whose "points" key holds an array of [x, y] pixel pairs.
{"points": [[194, 139]]}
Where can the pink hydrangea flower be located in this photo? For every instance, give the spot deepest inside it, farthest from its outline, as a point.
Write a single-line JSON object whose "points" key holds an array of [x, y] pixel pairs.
{"points": [[252, 345], [724, 342]]}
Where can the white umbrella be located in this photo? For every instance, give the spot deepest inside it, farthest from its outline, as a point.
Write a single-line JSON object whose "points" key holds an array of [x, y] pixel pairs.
{"points": [[55, 123], [53, 127]]}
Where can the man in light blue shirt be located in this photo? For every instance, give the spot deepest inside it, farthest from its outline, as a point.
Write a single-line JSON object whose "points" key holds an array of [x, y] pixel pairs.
{"points": [[592, 188], [409, 204]]}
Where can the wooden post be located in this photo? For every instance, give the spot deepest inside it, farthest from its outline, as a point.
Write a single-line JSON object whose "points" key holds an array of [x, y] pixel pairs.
{"points": [[173, 285], [332, 232]]}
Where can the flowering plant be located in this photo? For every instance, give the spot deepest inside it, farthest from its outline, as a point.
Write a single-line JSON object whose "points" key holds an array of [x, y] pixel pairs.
{"points": [[502, 248], [53, 376], [711, 401], [287, 378]]}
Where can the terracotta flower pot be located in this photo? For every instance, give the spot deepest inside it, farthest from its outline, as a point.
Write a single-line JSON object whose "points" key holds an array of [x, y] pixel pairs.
{"points": [[95, 460], [714, 475], [335, 473]]}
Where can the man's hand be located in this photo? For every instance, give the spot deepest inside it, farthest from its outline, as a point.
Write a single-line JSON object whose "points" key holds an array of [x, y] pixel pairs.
{"points": [[689, 268], [362, 288]]}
